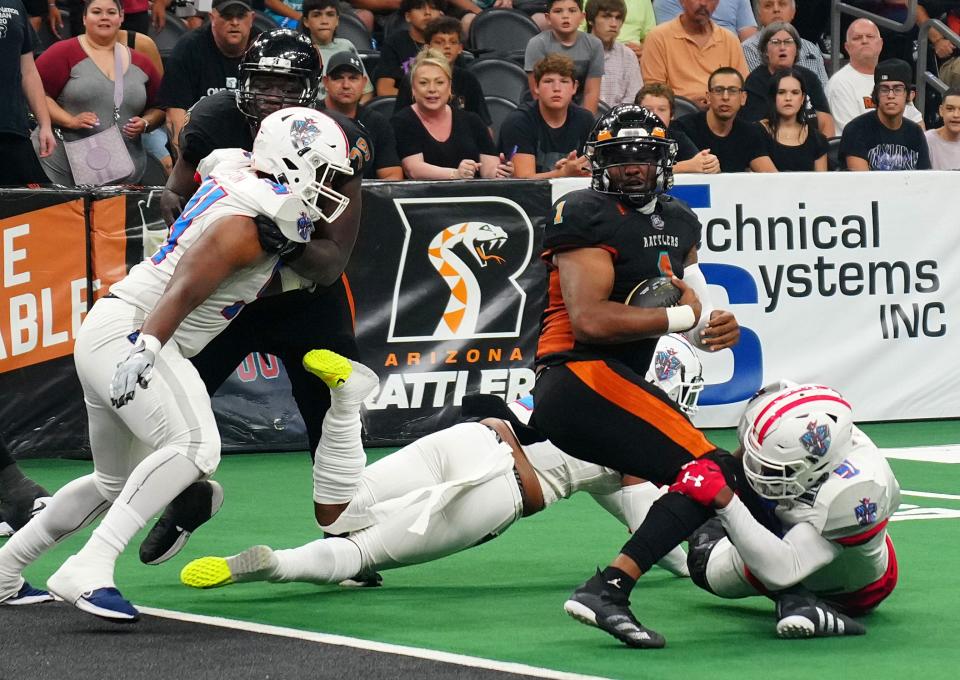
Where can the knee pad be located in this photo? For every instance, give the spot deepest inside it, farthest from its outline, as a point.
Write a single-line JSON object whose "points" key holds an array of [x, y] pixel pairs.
{"points": [[700, 545], [108, 486]]}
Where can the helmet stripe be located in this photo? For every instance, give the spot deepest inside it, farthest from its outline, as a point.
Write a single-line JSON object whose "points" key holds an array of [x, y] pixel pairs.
{"points": [[794, 404], [786, 394]]}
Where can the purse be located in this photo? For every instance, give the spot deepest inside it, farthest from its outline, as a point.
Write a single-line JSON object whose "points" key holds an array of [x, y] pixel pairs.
{"points": [[102, 158]]}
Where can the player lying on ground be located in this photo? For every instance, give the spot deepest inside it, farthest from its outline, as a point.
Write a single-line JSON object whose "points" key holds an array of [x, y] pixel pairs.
{"points": [[482, 476], [148, 449], [831, 491]]}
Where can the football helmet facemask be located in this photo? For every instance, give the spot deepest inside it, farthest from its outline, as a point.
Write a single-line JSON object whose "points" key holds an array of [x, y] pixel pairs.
{"points": [[281, 68], [677, 370], [305, 151], [632, 157], [794, 438]]}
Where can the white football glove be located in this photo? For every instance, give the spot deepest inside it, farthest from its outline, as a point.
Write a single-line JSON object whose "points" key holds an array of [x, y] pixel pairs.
{"points": [[136, 369]]}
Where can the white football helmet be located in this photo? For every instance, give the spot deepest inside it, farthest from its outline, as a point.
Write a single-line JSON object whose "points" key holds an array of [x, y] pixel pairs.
{"points": [[794, 437], [676, 369], [304, 150]]}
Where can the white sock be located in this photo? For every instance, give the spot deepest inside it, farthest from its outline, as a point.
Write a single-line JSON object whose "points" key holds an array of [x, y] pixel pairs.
{"points": [[150, 487], [329, 560], [72, 508], [340, 458]]}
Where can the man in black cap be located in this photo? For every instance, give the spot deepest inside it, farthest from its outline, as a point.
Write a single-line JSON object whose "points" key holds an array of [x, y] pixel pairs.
{"points": [[344, 81], [205, 61], [883, 139]]}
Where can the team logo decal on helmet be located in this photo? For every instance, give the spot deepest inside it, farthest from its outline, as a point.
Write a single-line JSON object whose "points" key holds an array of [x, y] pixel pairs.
{"points": [[666, 364], [303, 131], [677, 370], [816, 440]]}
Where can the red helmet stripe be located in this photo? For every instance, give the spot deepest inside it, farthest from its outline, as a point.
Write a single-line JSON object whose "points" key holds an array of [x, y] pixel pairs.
{"points": [[793, 404]]}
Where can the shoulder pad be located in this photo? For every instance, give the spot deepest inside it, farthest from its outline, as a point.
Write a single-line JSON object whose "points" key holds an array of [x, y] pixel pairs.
{"points": [[226, 164]]}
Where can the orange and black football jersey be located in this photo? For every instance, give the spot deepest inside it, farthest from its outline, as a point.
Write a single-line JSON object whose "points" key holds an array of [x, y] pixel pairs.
{"points": [[640, 246]]}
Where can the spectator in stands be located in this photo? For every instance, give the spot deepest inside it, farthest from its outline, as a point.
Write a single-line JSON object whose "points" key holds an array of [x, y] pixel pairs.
{"points": [[948, 55], [401, 47], [41, 12], [734, 15], [78, 76], [659, 98], [23, 89], [155, 141], [320, 21], [778, 49], [796, 144], [738, 144], [544, 138], [684, 52], [345, 81], [849, 89], [944, 142], [585, 50], [443, 35], [769, 11], [159, 10], [621, 71], [136, 15], [639, 21], [370, 12], [285, 13], [435, 140], [204, 62], [883, 139]]}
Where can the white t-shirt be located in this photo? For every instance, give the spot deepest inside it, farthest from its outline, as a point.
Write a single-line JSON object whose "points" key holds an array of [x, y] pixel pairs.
{"points": [[848, 92], [944, 155]]}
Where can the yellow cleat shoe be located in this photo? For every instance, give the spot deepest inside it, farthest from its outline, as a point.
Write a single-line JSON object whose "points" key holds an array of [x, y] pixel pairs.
{"points": [[330, 367], [206, 572]]}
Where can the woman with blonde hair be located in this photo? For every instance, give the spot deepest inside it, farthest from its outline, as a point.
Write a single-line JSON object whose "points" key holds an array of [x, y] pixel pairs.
{"points": [[79, 77], [435, 140]]}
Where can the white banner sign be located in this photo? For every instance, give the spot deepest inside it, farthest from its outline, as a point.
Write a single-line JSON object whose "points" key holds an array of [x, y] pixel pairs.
{"points": [[844, 278]]}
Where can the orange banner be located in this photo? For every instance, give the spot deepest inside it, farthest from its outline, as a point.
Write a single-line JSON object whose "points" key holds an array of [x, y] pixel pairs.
{"points": [[44, 295], [108, 242]]}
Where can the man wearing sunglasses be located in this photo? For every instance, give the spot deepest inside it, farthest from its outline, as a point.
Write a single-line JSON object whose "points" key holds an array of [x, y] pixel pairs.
{"points": [[883, 139]]}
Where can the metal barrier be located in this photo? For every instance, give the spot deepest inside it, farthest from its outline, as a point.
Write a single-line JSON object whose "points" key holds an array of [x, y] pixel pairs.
{"points": [[925, 77], [841, 8]]}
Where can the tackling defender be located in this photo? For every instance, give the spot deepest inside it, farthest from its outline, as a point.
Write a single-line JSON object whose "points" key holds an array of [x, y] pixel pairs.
{"points": [[214, 262], [482, 476]]}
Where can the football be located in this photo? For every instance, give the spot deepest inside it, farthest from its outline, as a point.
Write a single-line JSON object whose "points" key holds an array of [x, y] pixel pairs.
{"points": [[658, 291]]}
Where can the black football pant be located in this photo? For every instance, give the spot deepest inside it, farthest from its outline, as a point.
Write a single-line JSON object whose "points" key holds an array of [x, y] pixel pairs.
{"points": [[287, 326]]}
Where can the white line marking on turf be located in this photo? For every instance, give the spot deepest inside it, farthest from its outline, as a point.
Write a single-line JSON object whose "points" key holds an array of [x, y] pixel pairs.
{"points": [[931, 494], [949, 453], [369, 645]]}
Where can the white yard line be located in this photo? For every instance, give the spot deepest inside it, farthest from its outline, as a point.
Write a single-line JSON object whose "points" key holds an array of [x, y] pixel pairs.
{"points": [[949, 453], [369, 645]]}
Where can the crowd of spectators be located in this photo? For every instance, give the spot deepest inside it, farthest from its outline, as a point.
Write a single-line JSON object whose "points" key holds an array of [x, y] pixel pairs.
{"points": [[738, 85]]}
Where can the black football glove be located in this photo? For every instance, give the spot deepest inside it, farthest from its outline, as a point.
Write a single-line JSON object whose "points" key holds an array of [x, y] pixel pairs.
{"points": [[274, 242]]}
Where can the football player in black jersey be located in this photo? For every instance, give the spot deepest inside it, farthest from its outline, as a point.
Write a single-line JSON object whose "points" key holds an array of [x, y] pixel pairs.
{"points": [[594, 349], [281, 68]]}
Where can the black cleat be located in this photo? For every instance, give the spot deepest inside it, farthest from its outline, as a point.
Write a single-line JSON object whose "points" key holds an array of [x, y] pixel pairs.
{"points": [[804, 617], [596, 603], [19, 503], [186, 513]]}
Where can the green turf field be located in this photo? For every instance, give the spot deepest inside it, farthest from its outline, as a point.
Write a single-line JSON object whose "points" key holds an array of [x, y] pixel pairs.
{"points": [[504, 599]]}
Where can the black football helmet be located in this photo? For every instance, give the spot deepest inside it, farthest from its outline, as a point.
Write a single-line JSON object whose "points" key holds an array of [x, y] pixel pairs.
{"points": [[629, 137], [281, 68]]}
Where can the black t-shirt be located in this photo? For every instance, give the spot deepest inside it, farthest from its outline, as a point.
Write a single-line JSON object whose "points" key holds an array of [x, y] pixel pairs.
{"points": [[467, 94], [216, 123], [525, 131], [884, 149], [758, 102], [383, 150], [745, 142], [637, 244], [397, 53], [469, 138], [798, 158], [196, 69], [16, 39], [686, 149]]}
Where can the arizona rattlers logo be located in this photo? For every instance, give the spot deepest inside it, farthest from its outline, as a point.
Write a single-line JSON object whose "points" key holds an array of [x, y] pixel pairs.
{"points": [[457, 279]]}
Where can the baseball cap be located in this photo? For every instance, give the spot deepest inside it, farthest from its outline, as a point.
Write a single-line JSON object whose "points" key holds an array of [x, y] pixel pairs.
{"points": [[222, 5], [896, 70], [343, 59]]}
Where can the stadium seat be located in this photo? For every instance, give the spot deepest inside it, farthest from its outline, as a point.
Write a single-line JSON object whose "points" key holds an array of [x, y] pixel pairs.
{"points": [[353, 29], [683, 106], [382, 105], [833, 154], [500, 78], [46, 37], [263, 22], [499, 109], [167, 37], [501, 31]]}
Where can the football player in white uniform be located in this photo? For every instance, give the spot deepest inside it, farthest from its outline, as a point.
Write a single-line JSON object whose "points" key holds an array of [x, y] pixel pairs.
{"points": [[482, 476], [834, 494], [149, 444]]}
